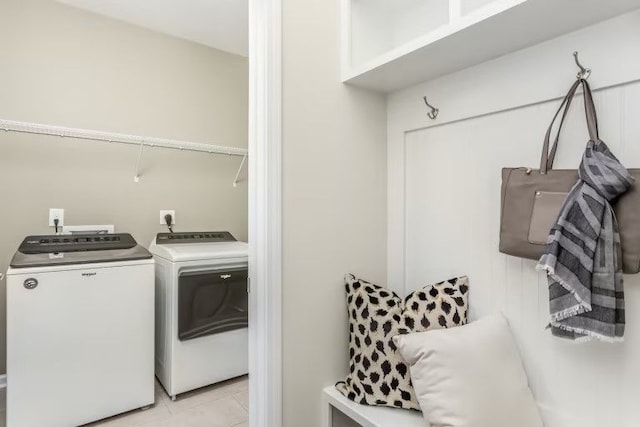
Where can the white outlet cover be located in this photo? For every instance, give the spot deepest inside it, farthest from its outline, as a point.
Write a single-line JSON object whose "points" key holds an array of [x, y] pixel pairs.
{"points": [[56, 213], [165, 212]]}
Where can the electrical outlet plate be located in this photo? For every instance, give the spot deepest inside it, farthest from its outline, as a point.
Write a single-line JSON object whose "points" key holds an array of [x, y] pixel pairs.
{"points": [[165, 212], [56, 214]]}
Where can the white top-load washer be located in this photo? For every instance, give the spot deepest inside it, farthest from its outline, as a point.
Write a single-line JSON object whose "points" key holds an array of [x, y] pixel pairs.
{"points": [[201, 309], [79, 329]]}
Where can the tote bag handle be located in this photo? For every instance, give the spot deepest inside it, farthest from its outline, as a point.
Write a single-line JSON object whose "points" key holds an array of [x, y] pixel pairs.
{"points": [[547, 158]]}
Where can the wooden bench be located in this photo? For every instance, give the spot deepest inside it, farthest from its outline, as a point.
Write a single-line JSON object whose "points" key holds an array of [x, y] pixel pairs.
{"points": [[338, 411]]}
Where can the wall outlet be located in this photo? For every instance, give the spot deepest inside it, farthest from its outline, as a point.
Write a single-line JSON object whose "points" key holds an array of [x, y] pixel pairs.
{"points": [[165, 212], [56, 214]]}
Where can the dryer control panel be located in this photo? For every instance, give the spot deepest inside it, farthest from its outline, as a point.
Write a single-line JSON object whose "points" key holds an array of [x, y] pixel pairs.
{"points": [[194, 237]]}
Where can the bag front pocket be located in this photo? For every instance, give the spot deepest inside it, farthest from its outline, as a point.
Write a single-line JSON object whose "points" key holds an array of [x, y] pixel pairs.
{"points": [[546, 207]]}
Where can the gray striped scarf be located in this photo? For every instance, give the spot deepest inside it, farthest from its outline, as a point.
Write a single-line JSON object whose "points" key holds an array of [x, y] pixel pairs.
{"points": [[583, 258]]}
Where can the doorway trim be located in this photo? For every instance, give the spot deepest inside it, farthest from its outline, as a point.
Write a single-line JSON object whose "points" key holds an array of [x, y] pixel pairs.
{"points": [[265, 224]]}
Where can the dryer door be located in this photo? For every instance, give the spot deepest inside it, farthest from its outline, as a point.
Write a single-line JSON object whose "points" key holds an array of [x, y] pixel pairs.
{"points": [[211, 302]]}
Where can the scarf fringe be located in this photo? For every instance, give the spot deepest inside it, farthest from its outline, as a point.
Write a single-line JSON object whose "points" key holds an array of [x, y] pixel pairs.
{"points": [[568, 312], [586, 334], [582, 307]]}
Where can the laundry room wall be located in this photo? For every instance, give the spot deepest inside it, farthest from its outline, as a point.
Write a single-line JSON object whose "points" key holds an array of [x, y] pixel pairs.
{"points": [[64, 66], [333, 208], [444, 202]]}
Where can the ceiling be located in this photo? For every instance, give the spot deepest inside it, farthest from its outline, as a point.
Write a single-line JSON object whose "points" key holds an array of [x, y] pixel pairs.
{"points": [[221, 24]]}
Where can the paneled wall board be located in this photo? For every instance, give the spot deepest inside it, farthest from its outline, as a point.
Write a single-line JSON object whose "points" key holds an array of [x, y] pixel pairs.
{"points": [[527, 77], [444, 199], [452, 222]]}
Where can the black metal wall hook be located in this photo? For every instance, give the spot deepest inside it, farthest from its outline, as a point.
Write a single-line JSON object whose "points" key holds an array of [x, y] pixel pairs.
{"points": [[584, 72], [434, 111]]}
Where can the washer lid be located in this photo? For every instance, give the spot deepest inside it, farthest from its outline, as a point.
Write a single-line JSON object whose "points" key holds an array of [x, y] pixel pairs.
{"points": [[199, 251]]}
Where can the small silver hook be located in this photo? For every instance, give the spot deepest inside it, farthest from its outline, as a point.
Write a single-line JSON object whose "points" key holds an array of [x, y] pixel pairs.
{"points": [[434, 111], [584, 72]]}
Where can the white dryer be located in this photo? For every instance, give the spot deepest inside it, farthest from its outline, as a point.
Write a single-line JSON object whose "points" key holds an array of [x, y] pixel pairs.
{"points": [[201, 309], [79, 330]]}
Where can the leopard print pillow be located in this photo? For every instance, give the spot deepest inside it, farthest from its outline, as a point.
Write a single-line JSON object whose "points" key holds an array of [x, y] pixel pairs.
{"points": [[378, 374]]}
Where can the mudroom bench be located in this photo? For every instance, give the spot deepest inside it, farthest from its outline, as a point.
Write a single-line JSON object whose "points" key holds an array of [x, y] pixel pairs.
{"points": [[338, 411]]}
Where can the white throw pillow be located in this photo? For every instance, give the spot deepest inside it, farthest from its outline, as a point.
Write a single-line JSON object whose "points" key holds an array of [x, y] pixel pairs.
{"points": [[470, 376]]}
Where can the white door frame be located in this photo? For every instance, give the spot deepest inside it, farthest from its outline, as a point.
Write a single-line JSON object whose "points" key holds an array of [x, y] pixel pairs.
{"points": [[265, 263]]}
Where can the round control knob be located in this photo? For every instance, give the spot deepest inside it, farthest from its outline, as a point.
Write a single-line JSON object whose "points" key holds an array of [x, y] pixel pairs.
{"points": [[31, 283]]}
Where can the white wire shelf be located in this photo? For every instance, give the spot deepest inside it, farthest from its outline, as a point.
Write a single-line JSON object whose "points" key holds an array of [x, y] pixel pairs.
{"points": [[94, 135], [121, 138]]}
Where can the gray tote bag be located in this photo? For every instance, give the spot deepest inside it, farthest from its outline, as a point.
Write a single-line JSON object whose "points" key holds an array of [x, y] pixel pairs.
{"points": [[531, 198]]}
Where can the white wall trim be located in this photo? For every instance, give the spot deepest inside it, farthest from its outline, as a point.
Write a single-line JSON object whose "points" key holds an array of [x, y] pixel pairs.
{"points": [[3, 381], [265, 255], [345, 38]]}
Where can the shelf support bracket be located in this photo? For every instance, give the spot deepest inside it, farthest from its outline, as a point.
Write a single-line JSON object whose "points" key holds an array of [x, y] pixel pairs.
{"points": [[235, 181], [136, 178]]}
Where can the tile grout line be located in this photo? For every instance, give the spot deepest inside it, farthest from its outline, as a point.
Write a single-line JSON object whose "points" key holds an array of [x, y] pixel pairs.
{"points": [[202, 405], [205, 403], [168, 400], [239, 401]]}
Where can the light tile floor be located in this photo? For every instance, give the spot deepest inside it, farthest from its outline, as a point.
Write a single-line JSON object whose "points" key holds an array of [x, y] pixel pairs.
{"points": [[221, 405]]}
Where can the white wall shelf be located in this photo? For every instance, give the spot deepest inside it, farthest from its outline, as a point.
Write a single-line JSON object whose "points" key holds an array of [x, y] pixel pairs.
{"points": [[390, 45]]}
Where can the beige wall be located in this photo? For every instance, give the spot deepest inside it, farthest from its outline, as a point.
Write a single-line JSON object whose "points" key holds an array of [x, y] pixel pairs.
{"points": [[334, 203], [67, 67]]}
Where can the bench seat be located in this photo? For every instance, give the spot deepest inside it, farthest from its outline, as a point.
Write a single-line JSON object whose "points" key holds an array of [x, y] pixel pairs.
{"points": [[355, 414]]}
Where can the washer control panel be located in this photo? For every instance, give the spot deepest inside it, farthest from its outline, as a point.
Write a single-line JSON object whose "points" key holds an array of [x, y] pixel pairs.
{"points": [[76, 243]]}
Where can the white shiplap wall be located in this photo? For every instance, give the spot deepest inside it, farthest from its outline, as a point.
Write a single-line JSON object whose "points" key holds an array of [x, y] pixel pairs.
{"points": [[444, 198]]}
